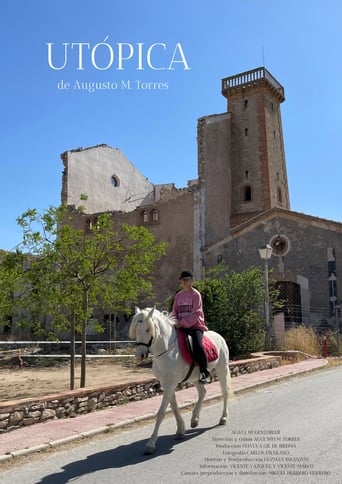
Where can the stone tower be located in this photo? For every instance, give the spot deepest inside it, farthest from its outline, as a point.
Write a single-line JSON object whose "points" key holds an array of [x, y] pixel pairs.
{"points": [[257, 157]]}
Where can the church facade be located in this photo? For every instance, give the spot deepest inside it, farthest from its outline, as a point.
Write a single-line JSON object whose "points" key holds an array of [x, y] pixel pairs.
{"points": [[239, 202]]}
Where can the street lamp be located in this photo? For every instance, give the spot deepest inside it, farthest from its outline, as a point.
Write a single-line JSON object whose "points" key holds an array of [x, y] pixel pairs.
{"points": [[265, 252]]}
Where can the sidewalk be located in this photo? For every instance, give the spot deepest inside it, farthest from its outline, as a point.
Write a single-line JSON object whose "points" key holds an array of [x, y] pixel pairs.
{"points": [[53, 433]]}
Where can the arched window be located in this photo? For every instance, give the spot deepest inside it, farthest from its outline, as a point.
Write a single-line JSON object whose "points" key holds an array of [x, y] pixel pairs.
{"points": [[247, 193], [280, 195], [149, 216], [115, 181]]}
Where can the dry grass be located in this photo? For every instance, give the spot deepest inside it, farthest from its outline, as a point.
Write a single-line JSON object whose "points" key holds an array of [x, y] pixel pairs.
{"points": [[334, 361], [332, 343], [303, 339]]}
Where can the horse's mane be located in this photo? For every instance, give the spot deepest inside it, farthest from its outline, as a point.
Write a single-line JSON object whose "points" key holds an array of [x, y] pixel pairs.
{"points": [[163, 317], [169, 318]]}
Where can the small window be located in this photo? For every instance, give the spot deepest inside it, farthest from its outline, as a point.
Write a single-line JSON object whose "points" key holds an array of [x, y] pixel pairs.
{"points": [[115, 181], [246, 131], [149, 216], [280, 195], [280, 245], [247, 194], [246, 174], [91, 223], [245, 103], [88, 224], [145, 216]]}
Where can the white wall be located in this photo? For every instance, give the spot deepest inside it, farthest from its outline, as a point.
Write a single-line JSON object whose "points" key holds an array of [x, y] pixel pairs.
{"points": [[89, 171]]}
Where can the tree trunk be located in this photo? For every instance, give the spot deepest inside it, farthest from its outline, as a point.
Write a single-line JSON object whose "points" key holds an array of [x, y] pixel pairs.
{"points": [[72, 352], [114, 330], [84, 339]]}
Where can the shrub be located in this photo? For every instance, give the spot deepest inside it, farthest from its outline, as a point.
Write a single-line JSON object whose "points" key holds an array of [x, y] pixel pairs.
{"points": [[231, 307]]}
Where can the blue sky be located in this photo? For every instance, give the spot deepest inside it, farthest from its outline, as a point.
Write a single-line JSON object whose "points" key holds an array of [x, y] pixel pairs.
{"points": [[298, 42]]}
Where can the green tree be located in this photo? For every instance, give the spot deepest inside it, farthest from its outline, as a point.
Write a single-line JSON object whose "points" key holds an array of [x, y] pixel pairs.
{"points": [[11, 270], [73, 271]]}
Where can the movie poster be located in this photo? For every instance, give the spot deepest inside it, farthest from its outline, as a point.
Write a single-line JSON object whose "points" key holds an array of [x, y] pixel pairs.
{"points": [[138, 76]]}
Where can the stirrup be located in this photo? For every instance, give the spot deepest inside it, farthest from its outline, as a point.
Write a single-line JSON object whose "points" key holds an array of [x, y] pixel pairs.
{"points": [[204, 378]]}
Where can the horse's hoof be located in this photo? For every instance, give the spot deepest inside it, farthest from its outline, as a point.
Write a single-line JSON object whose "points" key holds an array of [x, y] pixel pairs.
{"points": [[194, 423], [223, 421], [179, 435], [149, 450]]}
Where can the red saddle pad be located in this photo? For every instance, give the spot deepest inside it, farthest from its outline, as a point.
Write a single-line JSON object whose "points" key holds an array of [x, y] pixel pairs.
{"points": [[208, 346]]}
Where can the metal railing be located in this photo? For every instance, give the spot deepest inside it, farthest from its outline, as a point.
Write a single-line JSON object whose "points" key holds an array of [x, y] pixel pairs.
{"points": [[18, 345]]}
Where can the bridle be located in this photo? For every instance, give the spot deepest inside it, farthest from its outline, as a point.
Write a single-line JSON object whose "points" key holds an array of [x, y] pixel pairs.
{"points": [[148, 345], [138, 343]]}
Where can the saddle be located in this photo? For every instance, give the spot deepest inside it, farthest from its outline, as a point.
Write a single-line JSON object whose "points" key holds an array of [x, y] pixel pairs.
{"points": [[185, 347]]}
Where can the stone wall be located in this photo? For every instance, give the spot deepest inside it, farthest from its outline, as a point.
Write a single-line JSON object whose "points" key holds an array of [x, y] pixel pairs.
{"points": [[28, 411], [19, 413]]}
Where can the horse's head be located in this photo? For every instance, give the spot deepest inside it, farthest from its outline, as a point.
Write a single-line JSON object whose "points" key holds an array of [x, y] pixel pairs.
{"points": [[142, 330]]}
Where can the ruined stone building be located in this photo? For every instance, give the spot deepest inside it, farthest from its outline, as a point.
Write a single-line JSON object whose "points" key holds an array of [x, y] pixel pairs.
{"points": [[239, 202]]}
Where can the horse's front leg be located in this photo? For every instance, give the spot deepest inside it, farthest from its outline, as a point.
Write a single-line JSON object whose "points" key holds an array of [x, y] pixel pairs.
{"points": [[180, 422], [196, 411], [151, 444]]}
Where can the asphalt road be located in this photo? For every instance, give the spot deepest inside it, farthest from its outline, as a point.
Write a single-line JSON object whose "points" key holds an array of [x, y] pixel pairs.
{"points": [[290, 432]]}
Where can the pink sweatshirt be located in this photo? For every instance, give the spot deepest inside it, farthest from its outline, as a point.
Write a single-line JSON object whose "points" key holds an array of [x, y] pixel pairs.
{"points": [[188, 309]]}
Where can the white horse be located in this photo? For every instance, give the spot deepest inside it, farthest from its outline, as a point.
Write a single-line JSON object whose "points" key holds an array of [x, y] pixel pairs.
{"points": [[155, 333]]}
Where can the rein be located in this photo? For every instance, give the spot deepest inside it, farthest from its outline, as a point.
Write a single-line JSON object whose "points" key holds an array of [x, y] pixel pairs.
{"points": [[167, 349], [148, 345]]}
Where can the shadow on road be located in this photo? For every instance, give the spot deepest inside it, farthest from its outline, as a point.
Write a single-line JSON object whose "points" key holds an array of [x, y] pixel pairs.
{"points": [[122, 456]]}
